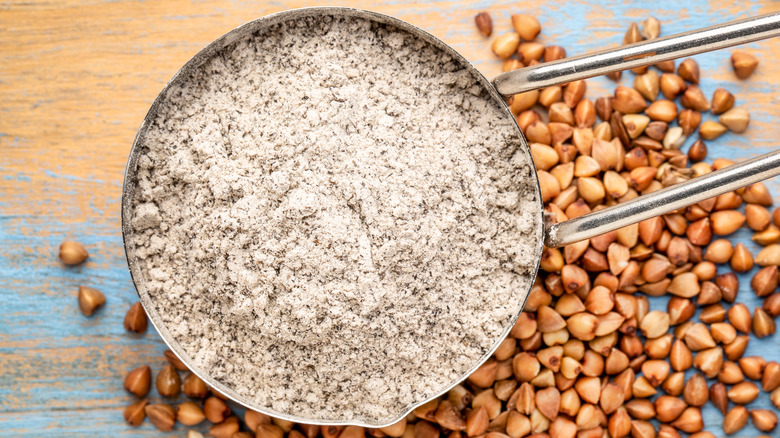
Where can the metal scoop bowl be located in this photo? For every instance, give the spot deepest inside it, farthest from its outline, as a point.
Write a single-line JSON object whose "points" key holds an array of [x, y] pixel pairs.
{"points": [[507, 84]]}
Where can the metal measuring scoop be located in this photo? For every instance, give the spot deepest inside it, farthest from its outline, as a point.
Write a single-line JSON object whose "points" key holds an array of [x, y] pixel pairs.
{"points": [[555, 235]]}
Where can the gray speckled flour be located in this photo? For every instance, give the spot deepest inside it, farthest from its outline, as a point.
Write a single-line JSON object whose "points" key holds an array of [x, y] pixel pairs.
{"points": [[333, 219]]}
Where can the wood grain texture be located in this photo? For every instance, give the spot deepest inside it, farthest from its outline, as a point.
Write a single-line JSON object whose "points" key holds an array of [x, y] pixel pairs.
{"points": [[76, 79]]}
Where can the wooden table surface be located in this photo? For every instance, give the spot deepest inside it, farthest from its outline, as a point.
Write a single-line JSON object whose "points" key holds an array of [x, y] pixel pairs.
{"points": [[76, 79]]}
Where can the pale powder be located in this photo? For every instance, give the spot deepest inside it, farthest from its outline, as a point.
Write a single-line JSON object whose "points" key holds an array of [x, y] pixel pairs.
{"points": [[334, 219]]}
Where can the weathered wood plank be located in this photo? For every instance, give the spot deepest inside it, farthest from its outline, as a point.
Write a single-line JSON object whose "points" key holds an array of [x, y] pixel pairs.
{"points": [[76, 79]]}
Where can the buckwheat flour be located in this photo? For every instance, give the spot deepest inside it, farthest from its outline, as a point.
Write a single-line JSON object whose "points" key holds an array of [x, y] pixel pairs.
{"points": [[332, 218]]}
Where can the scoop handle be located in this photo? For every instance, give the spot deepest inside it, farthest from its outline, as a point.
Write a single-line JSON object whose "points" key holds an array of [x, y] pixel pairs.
{"points": [[663, 201], [638, 54]]}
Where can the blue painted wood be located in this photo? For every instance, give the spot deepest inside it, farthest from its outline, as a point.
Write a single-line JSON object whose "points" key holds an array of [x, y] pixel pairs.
{"points": [[61, 374]]}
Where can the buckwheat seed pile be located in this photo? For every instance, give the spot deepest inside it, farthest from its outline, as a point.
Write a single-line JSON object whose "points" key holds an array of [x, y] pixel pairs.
{"points": [[333, 217]]}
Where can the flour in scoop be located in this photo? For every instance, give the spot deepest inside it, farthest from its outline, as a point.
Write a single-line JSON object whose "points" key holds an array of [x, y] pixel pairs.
{"points": [[333, 219]]}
